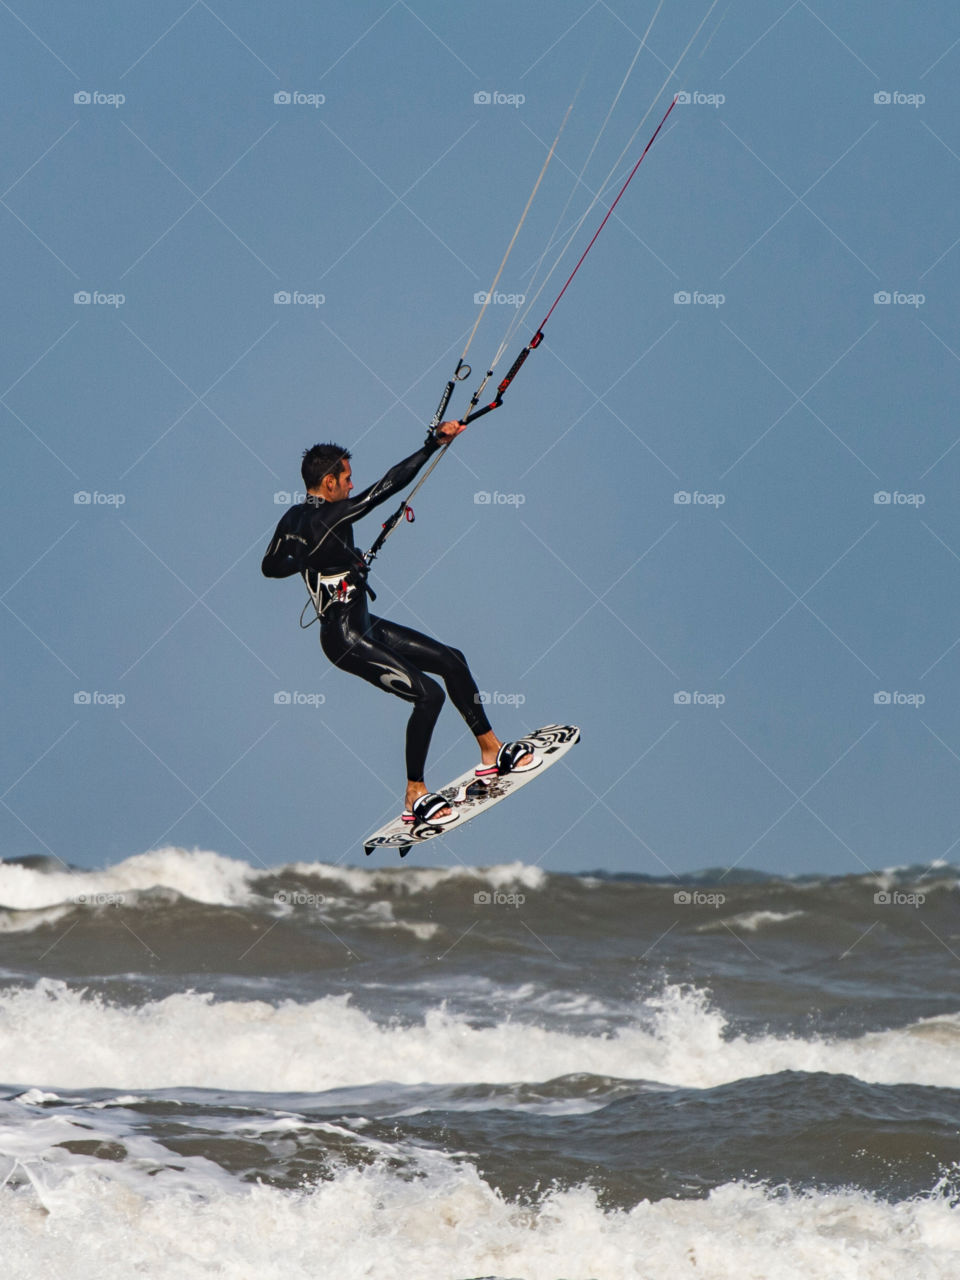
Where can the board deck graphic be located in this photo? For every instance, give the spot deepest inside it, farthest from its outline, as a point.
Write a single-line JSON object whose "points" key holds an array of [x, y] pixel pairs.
{"points": [[470, 796]]}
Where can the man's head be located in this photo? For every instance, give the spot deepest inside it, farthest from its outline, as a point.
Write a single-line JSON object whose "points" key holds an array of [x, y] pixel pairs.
{"points": [[326, 472]]}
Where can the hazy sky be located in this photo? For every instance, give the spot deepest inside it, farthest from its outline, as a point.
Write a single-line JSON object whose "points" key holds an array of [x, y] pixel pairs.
{"points": [[765, 675]]}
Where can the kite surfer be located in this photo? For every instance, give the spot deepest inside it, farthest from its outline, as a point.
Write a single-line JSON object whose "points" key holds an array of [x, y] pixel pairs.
{"points": [[315, 539]]}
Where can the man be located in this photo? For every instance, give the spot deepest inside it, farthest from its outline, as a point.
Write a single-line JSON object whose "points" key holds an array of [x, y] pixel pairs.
{"points": [[315, 539]]}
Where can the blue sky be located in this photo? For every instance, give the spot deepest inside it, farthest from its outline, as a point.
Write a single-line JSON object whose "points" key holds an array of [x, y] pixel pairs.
{"points": [[810, 172]]}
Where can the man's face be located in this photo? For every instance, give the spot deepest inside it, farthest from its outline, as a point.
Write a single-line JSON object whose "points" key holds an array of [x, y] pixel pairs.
{"points": [[335, 489]]}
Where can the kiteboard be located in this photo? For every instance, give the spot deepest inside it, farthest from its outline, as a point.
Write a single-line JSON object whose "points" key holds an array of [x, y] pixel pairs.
{"points": [[470, 795]]}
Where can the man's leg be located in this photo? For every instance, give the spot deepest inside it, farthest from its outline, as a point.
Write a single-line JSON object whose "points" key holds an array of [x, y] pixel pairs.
{"points": [[451, 665], [366, 656]]}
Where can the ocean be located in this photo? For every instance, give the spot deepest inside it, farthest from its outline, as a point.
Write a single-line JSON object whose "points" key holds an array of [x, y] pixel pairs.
{"points": [[209, 1069]]}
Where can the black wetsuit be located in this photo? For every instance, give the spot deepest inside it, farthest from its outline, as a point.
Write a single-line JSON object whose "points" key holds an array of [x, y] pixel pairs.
{"points": [[315, 539]]}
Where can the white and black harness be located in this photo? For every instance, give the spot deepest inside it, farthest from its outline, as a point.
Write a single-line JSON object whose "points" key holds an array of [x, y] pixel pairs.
{"points": [[336, 588]]}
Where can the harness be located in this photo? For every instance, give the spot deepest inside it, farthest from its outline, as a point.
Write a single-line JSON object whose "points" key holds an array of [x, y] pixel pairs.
{"points": [[336, 588]]}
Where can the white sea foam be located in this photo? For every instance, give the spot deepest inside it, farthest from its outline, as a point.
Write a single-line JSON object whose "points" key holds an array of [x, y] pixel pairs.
{"points": [[208, 877], [414, 880], [110, 1220], [27, 921], [199, 874], [749, 921], [378, 914], [54, 1036]]}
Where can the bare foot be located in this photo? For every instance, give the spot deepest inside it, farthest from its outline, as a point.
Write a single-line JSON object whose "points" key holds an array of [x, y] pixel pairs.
{"points": [[414, 791]]}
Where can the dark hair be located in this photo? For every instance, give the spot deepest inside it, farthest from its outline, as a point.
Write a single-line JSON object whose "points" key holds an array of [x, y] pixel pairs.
{"points": [[322, 460]]}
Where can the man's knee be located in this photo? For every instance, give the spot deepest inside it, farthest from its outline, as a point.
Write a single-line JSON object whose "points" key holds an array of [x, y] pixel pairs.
{"points": [[458, 661], [431, 694]]}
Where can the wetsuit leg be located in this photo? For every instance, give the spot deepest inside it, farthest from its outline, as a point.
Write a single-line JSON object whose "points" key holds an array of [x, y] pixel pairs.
{"points": [[395, 658], [361, 653], [440, 660]]}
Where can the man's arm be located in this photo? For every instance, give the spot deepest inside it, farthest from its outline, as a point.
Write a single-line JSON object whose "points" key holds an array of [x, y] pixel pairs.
{"points": [[285, 552], [399, 476]]}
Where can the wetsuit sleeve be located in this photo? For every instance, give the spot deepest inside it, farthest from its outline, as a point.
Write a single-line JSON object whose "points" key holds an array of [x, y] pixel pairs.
{"points": [[395, 480], [285, 553]]}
